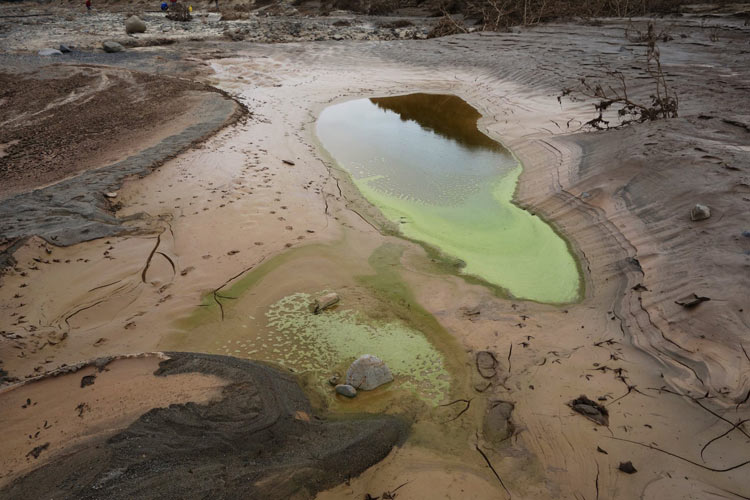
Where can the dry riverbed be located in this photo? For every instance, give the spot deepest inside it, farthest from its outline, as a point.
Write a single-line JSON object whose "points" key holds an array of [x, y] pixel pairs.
{"points": [[219, 234]]}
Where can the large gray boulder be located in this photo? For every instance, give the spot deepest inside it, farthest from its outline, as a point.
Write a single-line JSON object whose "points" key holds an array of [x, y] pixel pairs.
{"points": [[111, 47], [367, 373], [133, 24]]}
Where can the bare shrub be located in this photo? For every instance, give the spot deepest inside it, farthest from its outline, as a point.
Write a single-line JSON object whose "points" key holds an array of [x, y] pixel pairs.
{"points": [[612, 94], [179, 12]]}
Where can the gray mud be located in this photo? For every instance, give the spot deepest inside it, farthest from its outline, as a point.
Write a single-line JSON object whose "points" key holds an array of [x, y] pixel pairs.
{"points": [[260, 440]]}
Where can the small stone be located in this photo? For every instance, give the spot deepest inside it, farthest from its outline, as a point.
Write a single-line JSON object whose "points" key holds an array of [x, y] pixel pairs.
{"points": [[49, 52], [368, 372], [337, 37], [133, 24], [324, 302], [65, 49], [335, 379], [700, 212], [111, 194], [112, 47], [627, 467], [346, 390]]}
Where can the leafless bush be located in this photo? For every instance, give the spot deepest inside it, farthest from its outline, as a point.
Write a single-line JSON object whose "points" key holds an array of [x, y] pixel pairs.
{"points": [[179, 12], [446, 26], [612, 94], [495, 15]]}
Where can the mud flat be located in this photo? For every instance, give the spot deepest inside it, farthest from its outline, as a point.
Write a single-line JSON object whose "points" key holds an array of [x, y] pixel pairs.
{"points": [[674, 380]]}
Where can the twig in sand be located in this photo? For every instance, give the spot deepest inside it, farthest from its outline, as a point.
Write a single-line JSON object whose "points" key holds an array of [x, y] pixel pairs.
{"points": [[510, 353], [468, 404], [489, 464], [650, 446], [215, 293]]}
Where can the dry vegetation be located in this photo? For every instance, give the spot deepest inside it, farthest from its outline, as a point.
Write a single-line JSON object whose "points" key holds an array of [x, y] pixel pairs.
{"points": [[612, 92]]}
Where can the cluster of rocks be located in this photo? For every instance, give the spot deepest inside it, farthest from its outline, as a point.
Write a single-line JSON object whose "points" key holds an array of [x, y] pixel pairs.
{"points": [[368, 372], [89, 31]]}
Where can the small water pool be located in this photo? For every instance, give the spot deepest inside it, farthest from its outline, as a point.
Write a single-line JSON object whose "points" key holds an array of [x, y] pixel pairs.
{"points": [[422, 161]]}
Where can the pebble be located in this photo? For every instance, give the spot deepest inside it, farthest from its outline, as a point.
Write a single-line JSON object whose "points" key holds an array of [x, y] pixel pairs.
{"points": [[346, 390], [700, 212], [49, 52], [112, 47]]}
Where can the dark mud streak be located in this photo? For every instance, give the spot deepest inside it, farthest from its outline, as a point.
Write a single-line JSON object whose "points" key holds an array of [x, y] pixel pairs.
{"points": [[252, 443], [74, 210]]}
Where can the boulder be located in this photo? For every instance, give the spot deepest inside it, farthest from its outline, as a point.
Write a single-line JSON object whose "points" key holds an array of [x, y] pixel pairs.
{"points": [[49, 52], [346, 390], [367, 373], [700, 212], [324, 302], [133, 24], [111, 47]]}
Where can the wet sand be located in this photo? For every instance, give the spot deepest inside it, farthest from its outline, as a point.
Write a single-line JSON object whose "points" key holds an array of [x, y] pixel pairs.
{"points": [[622, 199]]}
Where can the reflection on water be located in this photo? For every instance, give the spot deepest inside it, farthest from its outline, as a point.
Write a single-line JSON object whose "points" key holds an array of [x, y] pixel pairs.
{"points": [[422, 161]]}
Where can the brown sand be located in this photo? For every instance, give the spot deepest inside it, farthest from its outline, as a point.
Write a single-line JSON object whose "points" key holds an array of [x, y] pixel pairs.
{"points": [[631, 227], [62, 120]]}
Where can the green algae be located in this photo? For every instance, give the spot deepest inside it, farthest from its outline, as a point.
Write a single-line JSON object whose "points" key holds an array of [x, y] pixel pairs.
{"points": [[421, 160], [377, 315], [315, 343]]}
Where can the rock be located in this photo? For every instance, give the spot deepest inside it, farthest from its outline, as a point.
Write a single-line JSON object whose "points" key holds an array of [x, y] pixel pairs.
{"points": [[87, 380], [690, 301], [49, 52], [112, 47], [65, 49], [486, 364], [700, 212], [590, 409], [497, 425], [368, 372], [627, 467], [324, 302], [133, 24], [346, 390], [111, 194], [335, 379], [337, 37]]}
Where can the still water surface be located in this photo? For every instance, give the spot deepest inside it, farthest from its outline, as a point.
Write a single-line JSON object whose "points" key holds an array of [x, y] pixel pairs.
{"points": [[422, 161]]}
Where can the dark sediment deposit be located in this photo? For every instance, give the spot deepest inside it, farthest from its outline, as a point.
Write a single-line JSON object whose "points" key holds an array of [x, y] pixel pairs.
{"points": [[260, 440]]}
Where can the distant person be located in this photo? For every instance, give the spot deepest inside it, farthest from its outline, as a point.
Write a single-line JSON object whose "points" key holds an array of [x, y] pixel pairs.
{"points": [[216, 3], [164, 6], [88, 5]]}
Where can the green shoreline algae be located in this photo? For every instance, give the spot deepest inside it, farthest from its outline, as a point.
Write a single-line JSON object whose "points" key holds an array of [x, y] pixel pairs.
{"points": [[378, 315], [458, 197]]}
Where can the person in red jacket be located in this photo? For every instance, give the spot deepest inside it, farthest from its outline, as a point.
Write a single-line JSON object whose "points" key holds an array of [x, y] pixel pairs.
{"points": [[88, 4]]}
